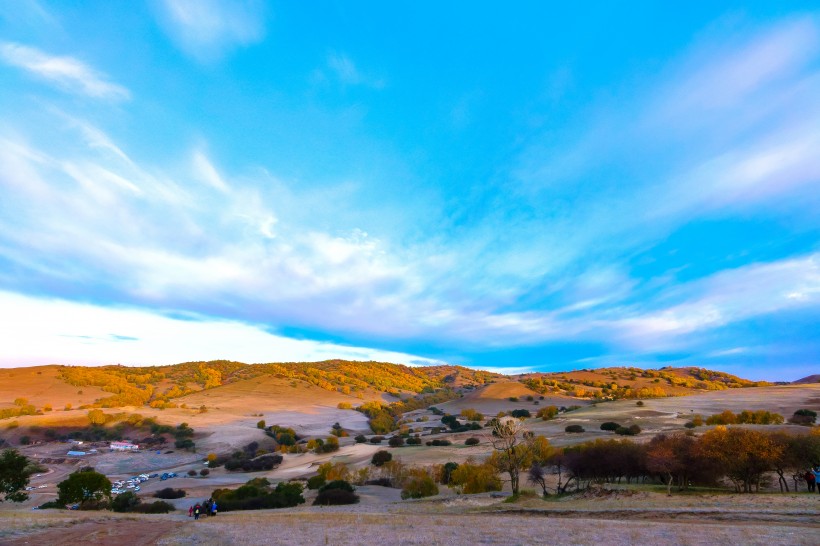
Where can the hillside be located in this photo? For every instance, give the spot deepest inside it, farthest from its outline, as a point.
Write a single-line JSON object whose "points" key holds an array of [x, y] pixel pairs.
{"points": [[808, 379], [627, 382], [26, 391]]}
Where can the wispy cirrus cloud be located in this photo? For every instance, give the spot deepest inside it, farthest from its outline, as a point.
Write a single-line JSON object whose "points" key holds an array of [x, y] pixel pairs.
{"points": [[67, 73], [342, 69], [209, 29]]}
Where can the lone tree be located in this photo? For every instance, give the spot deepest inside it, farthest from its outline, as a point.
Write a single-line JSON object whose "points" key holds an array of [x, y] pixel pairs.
{"points": [[83, 486], [512, 452], [13, 476]]}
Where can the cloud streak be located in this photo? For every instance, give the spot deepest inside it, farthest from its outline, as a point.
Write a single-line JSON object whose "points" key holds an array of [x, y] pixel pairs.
{"points": [[67, 73], [209, 29]]}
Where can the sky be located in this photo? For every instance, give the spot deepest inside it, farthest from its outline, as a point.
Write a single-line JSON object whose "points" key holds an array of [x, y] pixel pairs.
{"points": [[527, 187]]}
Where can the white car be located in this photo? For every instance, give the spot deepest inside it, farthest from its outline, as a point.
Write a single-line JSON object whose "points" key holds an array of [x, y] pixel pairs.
{"points": [[137, 488], [42, 486]]}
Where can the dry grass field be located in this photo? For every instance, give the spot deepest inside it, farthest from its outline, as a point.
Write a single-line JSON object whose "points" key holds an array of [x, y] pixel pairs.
{"points": [[614, 518], [40, 385]]}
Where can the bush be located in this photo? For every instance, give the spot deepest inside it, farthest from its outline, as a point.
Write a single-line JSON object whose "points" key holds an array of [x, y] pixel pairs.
{"points": [[315, 482], [265, 462], [204, 472], [192, 472], [257, 494], [381, 457], [471, 441], [610, 425], [639, 403], [439, 443], [156, 507], [396, 441], [360, 439], [124, 502], [519, 413], [631, 430], [344, 485], [513, 399], [574, 429], [547, 413], [261, 424], [418, 487], [805, 417], [169, 493], [415, 441], [334, 497], [376, 439]]}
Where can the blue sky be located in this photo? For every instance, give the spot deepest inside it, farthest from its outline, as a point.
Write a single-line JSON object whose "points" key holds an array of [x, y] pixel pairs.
{"points": [[528, 187]]}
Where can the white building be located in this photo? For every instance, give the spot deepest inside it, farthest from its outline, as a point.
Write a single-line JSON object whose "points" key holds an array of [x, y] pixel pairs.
{"points": [[123, 446]]}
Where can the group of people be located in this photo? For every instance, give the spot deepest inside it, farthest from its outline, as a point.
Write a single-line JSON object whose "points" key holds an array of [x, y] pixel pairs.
{"points": [[207, 508], [812, 478]]}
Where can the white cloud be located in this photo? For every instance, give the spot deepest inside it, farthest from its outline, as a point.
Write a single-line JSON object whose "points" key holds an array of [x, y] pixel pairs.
{"points": [[67, 73], [207, 29], [61, 332]]}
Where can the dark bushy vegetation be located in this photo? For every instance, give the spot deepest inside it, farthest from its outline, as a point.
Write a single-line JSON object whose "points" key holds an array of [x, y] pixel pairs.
{"points": [[265, 462], [804, 417], [471, 441], [631, 430], [396, 441], [381, 457], [335, 493], [315, 482], [169, 493], [610, 426], [414, 441], [574, 429], [520, 413], [257, 494], [439, 443]]}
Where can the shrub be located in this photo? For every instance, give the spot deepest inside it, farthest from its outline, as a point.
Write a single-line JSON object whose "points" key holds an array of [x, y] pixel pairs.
{"points": [[344, 485], [265, 462], [574, 429], [419, 486], [360, 439], [381, 457], [639, 403], [610, 425], [376, 439], [513, 399], [631, 430], [547, 413], [333, 497], [315, 482], [204, 472], [519, 413], [261, 424], [156, 507], [192, 472], [805, 417], [471, 414], [414, 441], [690, 424], [439, 443], [169, 493], [396, 441], [471, 441], [125, 502], [344, 405], [257, 494]]}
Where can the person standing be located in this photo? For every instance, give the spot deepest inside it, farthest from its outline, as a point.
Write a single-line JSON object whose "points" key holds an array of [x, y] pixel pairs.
{"points": [[811, 480], [191, 509], [213, 508], [197, 510], [816, 472]]}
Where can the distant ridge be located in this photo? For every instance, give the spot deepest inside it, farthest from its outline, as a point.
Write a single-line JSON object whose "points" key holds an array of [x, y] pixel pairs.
{"points": [[808, 379]]}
